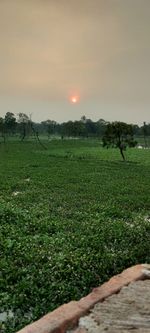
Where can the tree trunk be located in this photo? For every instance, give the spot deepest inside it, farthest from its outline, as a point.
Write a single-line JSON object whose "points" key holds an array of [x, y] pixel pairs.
{"points": [[122, 154], [37, 136], [24, 133]]}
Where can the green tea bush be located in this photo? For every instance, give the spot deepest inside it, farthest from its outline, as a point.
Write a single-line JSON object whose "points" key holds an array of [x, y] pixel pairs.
{"points": [[74, 223]]}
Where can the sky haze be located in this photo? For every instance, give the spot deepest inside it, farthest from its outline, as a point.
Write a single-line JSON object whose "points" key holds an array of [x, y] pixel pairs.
{"points": [[98, 50]]}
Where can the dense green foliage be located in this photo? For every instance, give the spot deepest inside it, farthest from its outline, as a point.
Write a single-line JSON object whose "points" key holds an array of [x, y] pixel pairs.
{"points": [[23, 127], [119, 135], [71, 216]]}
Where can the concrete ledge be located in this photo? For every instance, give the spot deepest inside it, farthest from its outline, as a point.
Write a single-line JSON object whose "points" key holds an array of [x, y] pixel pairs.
{"points": [[67, 315]]}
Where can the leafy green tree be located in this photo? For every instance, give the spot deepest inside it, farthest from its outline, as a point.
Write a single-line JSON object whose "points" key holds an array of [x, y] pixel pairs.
{"points": [[73, 128], [101, 127], [50, 126], [67, 128], [24, 125], [146, 132], [119, 135], [90, 126], [1, 124], [2, 128], [83, 119], [78, 128], [10, 122]]}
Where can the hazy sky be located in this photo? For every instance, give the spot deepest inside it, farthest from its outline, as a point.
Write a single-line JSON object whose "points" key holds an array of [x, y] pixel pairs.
{"points": [[97, 49]]}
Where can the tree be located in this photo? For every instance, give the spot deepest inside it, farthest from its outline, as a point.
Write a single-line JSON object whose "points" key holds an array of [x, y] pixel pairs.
{"points": [[2, 128], [119, 135], [50, 126], [90, 128], [24, 125], [10, 122], [83, 119], [67, 128], [101, 127], [144, 128], [78, 128], [73, 128], [36, 134]]}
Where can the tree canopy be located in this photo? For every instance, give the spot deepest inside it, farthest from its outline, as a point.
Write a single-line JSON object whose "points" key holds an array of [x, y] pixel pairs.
{"points": [[112, 133], [119, 135]]}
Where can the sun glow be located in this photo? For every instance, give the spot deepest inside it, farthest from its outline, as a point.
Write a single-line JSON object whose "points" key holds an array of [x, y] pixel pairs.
{"points": [[74, 99]]}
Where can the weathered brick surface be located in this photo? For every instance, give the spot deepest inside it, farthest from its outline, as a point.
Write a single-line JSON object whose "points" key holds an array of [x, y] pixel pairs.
{"points": [[113, 286], [58, 320], [67, 315], [127, 311], [80, 330]]}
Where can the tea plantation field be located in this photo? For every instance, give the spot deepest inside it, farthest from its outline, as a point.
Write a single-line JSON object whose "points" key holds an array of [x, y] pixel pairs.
{"points": [[71, 216]]}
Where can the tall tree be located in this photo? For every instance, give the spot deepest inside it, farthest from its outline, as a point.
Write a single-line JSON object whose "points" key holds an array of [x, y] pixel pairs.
{"points": [[2, 128], [10, 122], [145, 133], [101, 127], [67, 128], [119, 135], [24, 125], [50, 126]]}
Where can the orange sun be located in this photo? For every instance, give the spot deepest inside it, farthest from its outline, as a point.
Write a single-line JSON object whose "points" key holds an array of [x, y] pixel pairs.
{"points": [[74, 99]]}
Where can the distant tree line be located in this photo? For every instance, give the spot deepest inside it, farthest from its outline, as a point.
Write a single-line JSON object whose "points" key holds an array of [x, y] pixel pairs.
{"points": [[23, 127]]}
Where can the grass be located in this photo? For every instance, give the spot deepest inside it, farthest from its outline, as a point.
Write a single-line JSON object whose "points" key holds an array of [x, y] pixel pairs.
{"points": [[71, 216]]}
